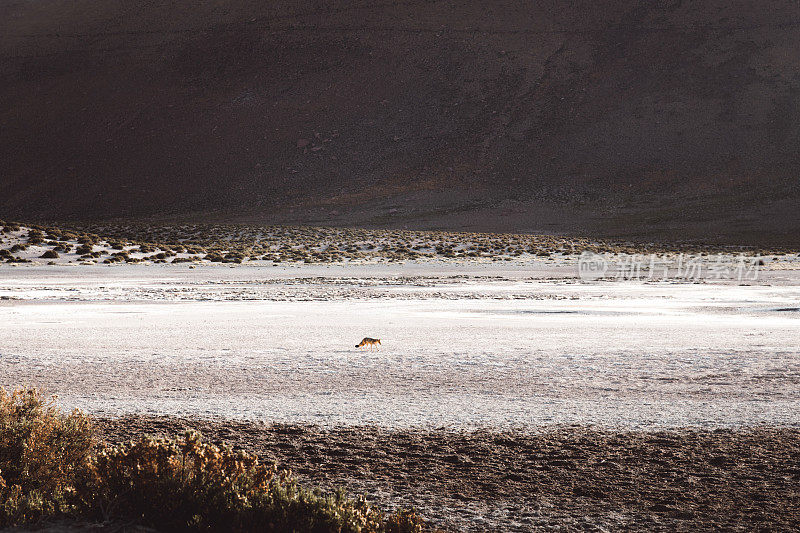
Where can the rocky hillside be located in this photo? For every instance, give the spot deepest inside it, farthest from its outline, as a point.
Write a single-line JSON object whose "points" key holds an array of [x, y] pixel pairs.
{"points": [[663, 119]]}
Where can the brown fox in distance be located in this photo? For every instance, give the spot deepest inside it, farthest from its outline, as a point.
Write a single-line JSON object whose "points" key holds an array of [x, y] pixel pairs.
{"points": [[366, 341]]}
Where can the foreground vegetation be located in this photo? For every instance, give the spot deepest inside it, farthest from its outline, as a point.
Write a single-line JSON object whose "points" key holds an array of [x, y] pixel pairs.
{"points": [[52, 466]]}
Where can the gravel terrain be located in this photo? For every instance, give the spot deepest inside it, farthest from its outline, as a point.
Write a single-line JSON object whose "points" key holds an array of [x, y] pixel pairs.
{"points": [[562, 478]]}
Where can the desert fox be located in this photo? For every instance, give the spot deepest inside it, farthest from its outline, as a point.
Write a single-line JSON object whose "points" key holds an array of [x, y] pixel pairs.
{"points": [[366, 341]]}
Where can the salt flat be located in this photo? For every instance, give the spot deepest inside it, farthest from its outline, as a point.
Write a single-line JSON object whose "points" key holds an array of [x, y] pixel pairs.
{"points": [[518, 344]]}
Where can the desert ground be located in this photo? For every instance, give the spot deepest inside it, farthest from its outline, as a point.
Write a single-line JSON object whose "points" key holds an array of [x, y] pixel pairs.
{"points": [[222, 198], [510, 392], [554, 479], [501, 345]]}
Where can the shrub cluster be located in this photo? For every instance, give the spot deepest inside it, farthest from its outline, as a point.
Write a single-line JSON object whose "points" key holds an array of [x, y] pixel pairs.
{"points": [[35, 236], [42, 453], [84, 249], [52, 466]]}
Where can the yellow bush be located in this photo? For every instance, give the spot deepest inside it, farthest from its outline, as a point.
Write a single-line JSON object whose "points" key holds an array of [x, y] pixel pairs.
{"points": [[186, 484], [42, 454], [50, 465]]}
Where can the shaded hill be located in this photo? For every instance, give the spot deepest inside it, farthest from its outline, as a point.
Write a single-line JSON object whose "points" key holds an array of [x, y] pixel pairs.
{"points": [[657, 119]]}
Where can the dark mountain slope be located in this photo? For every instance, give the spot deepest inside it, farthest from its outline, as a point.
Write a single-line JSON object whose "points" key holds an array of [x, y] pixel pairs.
{"points": [[656, 119]]}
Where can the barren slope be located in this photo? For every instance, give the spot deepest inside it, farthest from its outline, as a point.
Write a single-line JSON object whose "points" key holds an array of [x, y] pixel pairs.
{"points": [[665, 119]]}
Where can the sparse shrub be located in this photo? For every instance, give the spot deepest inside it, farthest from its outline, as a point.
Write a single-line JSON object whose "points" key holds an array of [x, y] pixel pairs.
{"points": [[405, 521], [234, 257], [51, 465], [187, 485], [35, 237], [49, 254], [43, 452]]}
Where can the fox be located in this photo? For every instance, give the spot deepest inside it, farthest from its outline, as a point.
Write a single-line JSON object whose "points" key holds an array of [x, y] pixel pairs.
{"points": [[367, 341]]}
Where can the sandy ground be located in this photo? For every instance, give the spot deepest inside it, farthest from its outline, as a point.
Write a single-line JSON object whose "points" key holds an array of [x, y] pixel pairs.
{"points": [[511, 345], [561, 479]]}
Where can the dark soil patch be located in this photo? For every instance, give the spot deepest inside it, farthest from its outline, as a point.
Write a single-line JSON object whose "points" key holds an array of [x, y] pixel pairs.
{"points": [[572, 478]]}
